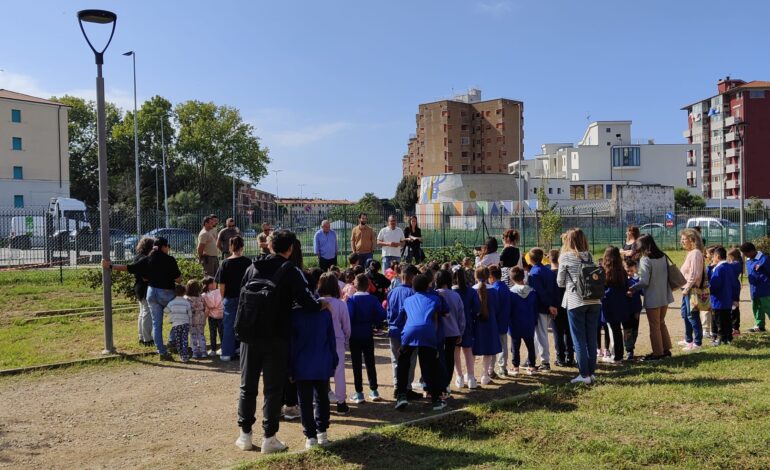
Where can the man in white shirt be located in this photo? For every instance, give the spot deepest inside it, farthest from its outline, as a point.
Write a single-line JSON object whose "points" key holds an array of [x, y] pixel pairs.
{"points": [[390, 238]]}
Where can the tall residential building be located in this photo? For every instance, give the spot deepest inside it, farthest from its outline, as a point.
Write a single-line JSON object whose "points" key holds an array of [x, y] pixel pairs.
{"points": [[732, 125], [34, 150], [465, 135]]}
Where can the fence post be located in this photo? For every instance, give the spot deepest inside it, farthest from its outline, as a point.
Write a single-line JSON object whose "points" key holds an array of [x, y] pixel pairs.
{"points": [[443, 231], [593, 238]]}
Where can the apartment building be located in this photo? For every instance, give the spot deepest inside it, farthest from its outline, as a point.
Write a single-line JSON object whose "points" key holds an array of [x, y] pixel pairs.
{"points": [[733, 125], [465, 135], [34, 150], [250, 198]]}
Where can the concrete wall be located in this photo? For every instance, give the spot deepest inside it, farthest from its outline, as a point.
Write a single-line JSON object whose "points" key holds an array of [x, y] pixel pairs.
{"points": [[643, 197], [453, 188]]}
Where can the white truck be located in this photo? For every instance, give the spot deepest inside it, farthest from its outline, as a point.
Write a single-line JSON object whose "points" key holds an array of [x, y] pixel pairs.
{"points": [[65, 214]]}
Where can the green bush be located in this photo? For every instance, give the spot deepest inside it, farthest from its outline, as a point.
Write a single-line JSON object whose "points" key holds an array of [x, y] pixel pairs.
{"points": [[448, 253]]}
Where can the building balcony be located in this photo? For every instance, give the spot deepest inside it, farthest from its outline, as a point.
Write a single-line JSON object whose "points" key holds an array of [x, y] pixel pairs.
{"points": [[691, 161], [732, 168], [717, 170], [731, 137], [687, 133], [733, 152], [731, 121], [732, 184]]}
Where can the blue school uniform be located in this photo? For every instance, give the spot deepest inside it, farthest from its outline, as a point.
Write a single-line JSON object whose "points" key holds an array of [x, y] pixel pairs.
{"points": [[365, 312], [724, 287], [421, 327], [737, 270], [525, 314], [758, 270], [503, 310], [616, 305], [543, 281], [472, 307], [486, 340], [396, 299], [636, 299], [313, 345]]}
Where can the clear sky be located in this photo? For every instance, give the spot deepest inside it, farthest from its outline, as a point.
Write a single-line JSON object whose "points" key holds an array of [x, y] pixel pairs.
{"points": [[332, 87]]}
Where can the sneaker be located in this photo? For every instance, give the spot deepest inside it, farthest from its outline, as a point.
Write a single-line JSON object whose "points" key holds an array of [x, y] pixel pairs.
{"points": [[343, 408], [694, 348], [311, 442], [219, 352], [412, 395], [225, 358], [682, 343], [606, 359], [357, 398], [402, 402], [544, 367], [581, 380], [211, 353], [332, 396], [688, 347], [322, 438], [459, 382], [667, 353], [418, 386], [472, 383], [439, 405], [492, 375], [374, 395], [559, 363], [244, 441], [531, 370], [486, 379], [593, 378], [271, 445], [515, 371], [756, 329], [630, 357], [291, 412]]}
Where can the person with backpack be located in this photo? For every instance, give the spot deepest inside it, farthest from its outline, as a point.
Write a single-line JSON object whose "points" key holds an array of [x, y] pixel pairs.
{"points": [[270, 287], [584, 284]]}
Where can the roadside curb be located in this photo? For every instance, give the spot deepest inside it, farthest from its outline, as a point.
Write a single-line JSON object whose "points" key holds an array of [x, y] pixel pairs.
{"points": [[61, 365]]}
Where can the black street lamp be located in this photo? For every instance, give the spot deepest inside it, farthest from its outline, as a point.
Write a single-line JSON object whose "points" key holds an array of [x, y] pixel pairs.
{"points": [[102, 17]]}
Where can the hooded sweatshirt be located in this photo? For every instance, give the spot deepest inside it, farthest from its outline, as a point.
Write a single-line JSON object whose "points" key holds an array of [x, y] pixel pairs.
{"points": [[524, 312]]}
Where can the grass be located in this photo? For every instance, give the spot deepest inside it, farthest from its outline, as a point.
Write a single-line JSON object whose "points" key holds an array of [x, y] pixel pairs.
{"points": [[706, 410], [36, 290]]}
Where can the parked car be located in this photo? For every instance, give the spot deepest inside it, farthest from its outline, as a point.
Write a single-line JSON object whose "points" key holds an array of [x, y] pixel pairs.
{"points": [[87, 240], [713, 228], [653, 228], [180, 239]]}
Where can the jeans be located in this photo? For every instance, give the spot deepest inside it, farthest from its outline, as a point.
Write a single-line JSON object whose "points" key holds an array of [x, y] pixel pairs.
{"points": [[145, 321], [326, 263], [215, 326], [562, 338], [157, 299], [313, 398], [365, 348], [428, 365], [269, 357], [386, 260], [584, 325], [364, 258], [693, 330], [228, 326], [529, 341]]}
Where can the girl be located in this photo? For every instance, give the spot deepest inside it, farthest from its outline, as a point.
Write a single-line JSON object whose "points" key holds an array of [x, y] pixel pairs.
{"points": [[180, 314], [349, 288], [198, 323], [471, 306], [486, 341], [453, 323], [510, 256], [735, 260], [631, 326], [212, 304], [488, 255], [616, 305], [329, 291]]}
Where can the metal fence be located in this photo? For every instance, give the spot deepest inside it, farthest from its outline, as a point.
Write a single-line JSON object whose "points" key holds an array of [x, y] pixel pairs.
{"points": [[35, 239]]}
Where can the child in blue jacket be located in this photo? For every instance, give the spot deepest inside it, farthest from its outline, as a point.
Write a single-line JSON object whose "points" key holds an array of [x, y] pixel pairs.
{"points": [[735, 260], [312, 361], [631, 326], [503, 316], [486, 340], [523, 320], [543, 281], [724, 288], [758, 270], [366, 312], [396, 298], [472, 306]]}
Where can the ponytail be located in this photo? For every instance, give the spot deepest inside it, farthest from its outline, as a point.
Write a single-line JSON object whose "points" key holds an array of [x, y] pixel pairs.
{"points": [[482, 274]]}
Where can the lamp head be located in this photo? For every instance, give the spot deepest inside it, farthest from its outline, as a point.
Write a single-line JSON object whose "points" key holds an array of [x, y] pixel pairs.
{"points": [[128, 54], [97, 17]]}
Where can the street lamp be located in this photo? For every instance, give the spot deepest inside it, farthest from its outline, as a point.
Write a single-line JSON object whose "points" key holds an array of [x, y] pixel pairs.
{"points": [[136, 150], [742, 193], [165, 181], [102, 17]]}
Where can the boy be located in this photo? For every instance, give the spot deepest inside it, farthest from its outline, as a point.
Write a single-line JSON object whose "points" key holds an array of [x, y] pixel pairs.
{"points": [[365, 313], [523, 320], [503, 316], [180, 315], [724, 287], [759, 284], [396, 298], [543, 281], [562, 338], [631, 326], [420, 334], [313, 359]]}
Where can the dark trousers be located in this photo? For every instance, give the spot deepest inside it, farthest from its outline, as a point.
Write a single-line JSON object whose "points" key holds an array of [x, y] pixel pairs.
{"points": [[617, 340], [603, 326], [716, 325], [630, 332], [735, 314], [724, 317], [326, 263], [529, 341], [562, 339], [290, 393], [447, 360], [215, 326], [270, 358], [365, 348], [429, 367], [313, 398]]}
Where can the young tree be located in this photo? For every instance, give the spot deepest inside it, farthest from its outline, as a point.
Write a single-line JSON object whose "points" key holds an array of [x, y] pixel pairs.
{"points": [[550, 219], [407, 193]]}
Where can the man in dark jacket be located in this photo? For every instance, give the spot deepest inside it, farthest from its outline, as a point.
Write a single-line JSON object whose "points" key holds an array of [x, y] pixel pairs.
{"points": [[270, 356]]}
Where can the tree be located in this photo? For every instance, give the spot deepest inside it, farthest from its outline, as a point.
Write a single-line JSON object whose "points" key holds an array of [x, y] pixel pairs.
{"points": [[684, 199], [372, 206], [550, 219], [755, 204], [407, 193]]}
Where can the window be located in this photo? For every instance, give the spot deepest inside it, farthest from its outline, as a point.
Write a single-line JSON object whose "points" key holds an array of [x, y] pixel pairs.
{"points": [[595, 191], [17, 143], [609, 191], [464, 127], [500, 125], [754, 94], [608, 144], [464, 168], [462, 113], [18, 201], [577, 192], [550, 190], [609, 130], [18, 173], [626, 156], [464, 154], [465, 140], [501, 139], [499, 111], [15, 115], [558, 190], [489, 140]]}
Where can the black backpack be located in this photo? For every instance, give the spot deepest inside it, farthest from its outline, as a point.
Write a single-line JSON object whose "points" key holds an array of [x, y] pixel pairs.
{"points": [[257, 314], [591, 280]]}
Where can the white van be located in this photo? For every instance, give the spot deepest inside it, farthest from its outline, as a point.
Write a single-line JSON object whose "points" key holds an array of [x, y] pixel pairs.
{"points": [[68, 214], [713, 228]]}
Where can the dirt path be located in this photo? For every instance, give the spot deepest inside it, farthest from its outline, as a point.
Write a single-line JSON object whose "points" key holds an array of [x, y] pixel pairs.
{"points": [[148, 414]]}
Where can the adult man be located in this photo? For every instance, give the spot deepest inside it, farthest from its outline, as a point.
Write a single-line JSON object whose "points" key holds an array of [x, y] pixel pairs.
{"points": [[263, 239], [207, 246], [223, 239], [390, 238], [325, 246], [270, 355], [362, 240]]}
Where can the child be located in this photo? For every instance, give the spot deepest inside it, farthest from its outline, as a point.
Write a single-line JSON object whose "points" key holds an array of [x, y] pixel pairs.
{"points": [[616, 305], [420, 335], [486, 340], [365, 312], [543, 281], [396, 298], [565, 352], [759, 284], [709, 322], [395, 279], [631, 326], [350, 287], [523, 320], [503, 311], [468, 269], [312, 360], [329, 290], [378, 283], [724, 288], [471, 306], [215, 311], [198, 323], [735, 260], [453, 323], [180, 316]]}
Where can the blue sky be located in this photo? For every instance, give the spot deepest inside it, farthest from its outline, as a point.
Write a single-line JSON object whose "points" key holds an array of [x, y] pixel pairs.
{"points": [[332, 87]]}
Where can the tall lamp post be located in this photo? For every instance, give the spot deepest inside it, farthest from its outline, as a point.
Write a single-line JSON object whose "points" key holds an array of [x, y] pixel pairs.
{"points": [[136, 151], [102, 17], [165, 181], [742, 193]]}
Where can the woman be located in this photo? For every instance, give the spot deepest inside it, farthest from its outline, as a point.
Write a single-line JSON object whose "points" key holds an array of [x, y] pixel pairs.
{"points": [[510, 255], [692, 270], [632, 234], [413, 237], [488, 255], [653, 279], [229, 277], [583, 314]]}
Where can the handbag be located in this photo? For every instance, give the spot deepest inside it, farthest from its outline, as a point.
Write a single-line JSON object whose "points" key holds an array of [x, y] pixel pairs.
{"points": [[675, 277], [700, 297]]}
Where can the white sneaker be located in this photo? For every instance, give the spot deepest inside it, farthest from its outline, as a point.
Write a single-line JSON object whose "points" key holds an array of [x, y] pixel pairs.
{"points": [[323, 438], [606, 359], [682, 343], [695, 347], [459, 382], [485, 380], [332, 397], [291, 412], [219, 352], [472, 383], [581, 380], [310, 443], [271, 445], [244, 441]]}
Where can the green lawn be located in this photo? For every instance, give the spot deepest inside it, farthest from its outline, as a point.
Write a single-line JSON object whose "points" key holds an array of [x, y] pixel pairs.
{"points": [[706, 410]]}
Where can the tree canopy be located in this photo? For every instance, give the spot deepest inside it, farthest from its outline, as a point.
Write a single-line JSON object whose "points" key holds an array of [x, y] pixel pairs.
{"points": [[684, 199], [407, 193]]}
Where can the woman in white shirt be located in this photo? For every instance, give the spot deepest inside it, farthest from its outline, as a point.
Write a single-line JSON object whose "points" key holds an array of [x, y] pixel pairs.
{"points": [[488, 255]]}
